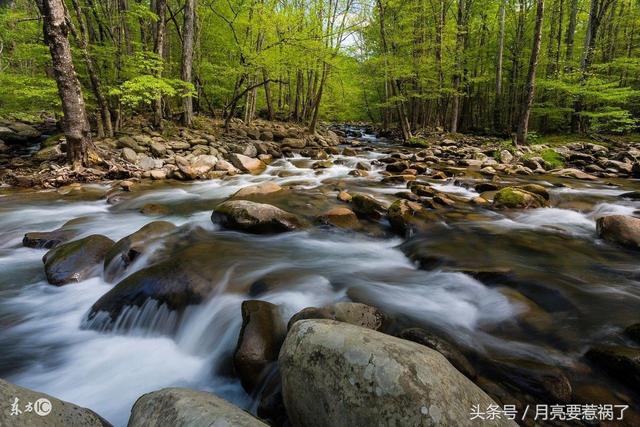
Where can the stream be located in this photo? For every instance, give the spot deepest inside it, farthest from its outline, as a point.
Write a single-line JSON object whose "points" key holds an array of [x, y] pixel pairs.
{"points": [[584, 290]]}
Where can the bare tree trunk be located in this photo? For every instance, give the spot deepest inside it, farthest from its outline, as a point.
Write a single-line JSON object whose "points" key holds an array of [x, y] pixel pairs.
{"points": [[498, 101], [159, 50], [188, 34], [75, 123], [571, 31], [460, 35], [267, 94], [103, 105], [521, 137]]}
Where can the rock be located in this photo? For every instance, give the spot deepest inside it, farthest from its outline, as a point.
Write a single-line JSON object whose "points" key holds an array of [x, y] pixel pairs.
{"points": [[353, 313], [48, 153], [50, 239], [621, 362], [223, 165], [452, 354], [336, 374], [516, 198], [158, 174], [262, 333], [405, 216], [575, 173], [75, 261], [128, 142], [158, 149], [247, 164], [536, 189], [47, 410], [129, 155], [154, 209], [633, 332], [506, 157], [344, 196], [620, 229], [198, 166], [184, 407], [129, 248], [367, 207], [340, 217], [293, 143], [255, 217], [267, 187], [179, 145], [147, 163]]}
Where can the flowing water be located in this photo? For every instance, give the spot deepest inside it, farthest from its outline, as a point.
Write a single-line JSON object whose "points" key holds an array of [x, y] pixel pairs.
{"points": [[582, 290]]}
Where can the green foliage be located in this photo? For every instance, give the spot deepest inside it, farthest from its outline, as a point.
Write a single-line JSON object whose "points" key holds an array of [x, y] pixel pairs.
{"points": [[552, 157], [143, 90]]}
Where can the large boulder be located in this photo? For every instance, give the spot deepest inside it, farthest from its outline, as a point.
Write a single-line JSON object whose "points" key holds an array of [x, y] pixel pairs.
{"points": [[293, 143], [76, 260], [336, 374], [46, 410], [129, 248], [262, 333], [51, 239], [354, 313], [184, 278], [181, 407], [198, 166], [247, 164], [517, 198], [405, 216], [254, 217], [621, 229]]}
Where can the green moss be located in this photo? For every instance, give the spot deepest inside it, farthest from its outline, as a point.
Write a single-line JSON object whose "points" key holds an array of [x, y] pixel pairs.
{"points": [[552, 157], [509, 197], [418, 142]]}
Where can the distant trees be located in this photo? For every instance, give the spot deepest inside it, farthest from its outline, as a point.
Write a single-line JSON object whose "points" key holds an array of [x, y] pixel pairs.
{"points": [[453, 65]]}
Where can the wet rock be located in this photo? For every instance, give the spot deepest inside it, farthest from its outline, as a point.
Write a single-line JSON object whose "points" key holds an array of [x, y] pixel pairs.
{"points": [[247, 164], [154, 209], [60, 413], [621, 362], [337, 374], [339, 217], [76, 261], [531, 316], [261, 336], [633, 195], [633, 332], [358, 173], [536, 189], [367, 207], [344, 196], [620, 229], [50, 239], [262, 189], [198, 166], [405, 216], [322, 164], [486, 186], [442, 346], [129, 248], [397, 166], [517, 198], [185, 407], [255, 217]]}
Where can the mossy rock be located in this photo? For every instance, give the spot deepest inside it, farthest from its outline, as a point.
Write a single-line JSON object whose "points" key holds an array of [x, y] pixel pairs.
{"points": [[518, 198]]}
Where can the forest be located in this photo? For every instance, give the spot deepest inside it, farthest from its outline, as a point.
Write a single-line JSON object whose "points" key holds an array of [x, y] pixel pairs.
{"points": [[497, 67]]}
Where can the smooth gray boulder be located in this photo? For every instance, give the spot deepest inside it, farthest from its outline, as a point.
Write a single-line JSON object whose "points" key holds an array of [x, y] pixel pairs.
{"points": [[621, 229], [77, 260], [337, 374], [178, 407], [46, 410], [255, 217]]}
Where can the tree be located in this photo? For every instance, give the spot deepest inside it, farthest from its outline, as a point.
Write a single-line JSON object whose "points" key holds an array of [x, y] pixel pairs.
{"points": [[188, 35], [523, 126], [75, 123]]}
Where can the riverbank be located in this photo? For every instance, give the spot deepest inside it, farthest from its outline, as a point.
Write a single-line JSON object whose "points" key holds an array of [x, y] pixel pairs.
{"points": [[147, 284]]}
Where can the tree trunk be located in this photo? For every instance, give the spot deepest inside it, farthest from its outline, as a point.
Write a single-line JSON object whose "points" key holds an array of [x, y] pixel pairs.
{"points": [[103, 105], [498, 101], [188, 33], [521, 137], [75, 123], [571, 32], [267, 94], [460, 35], [159, 50]]}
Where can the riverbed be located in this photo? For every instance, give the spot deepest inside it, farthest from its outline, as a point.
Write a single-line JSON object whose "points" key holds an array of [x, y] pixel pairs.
{"points": [[529, 287]]}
